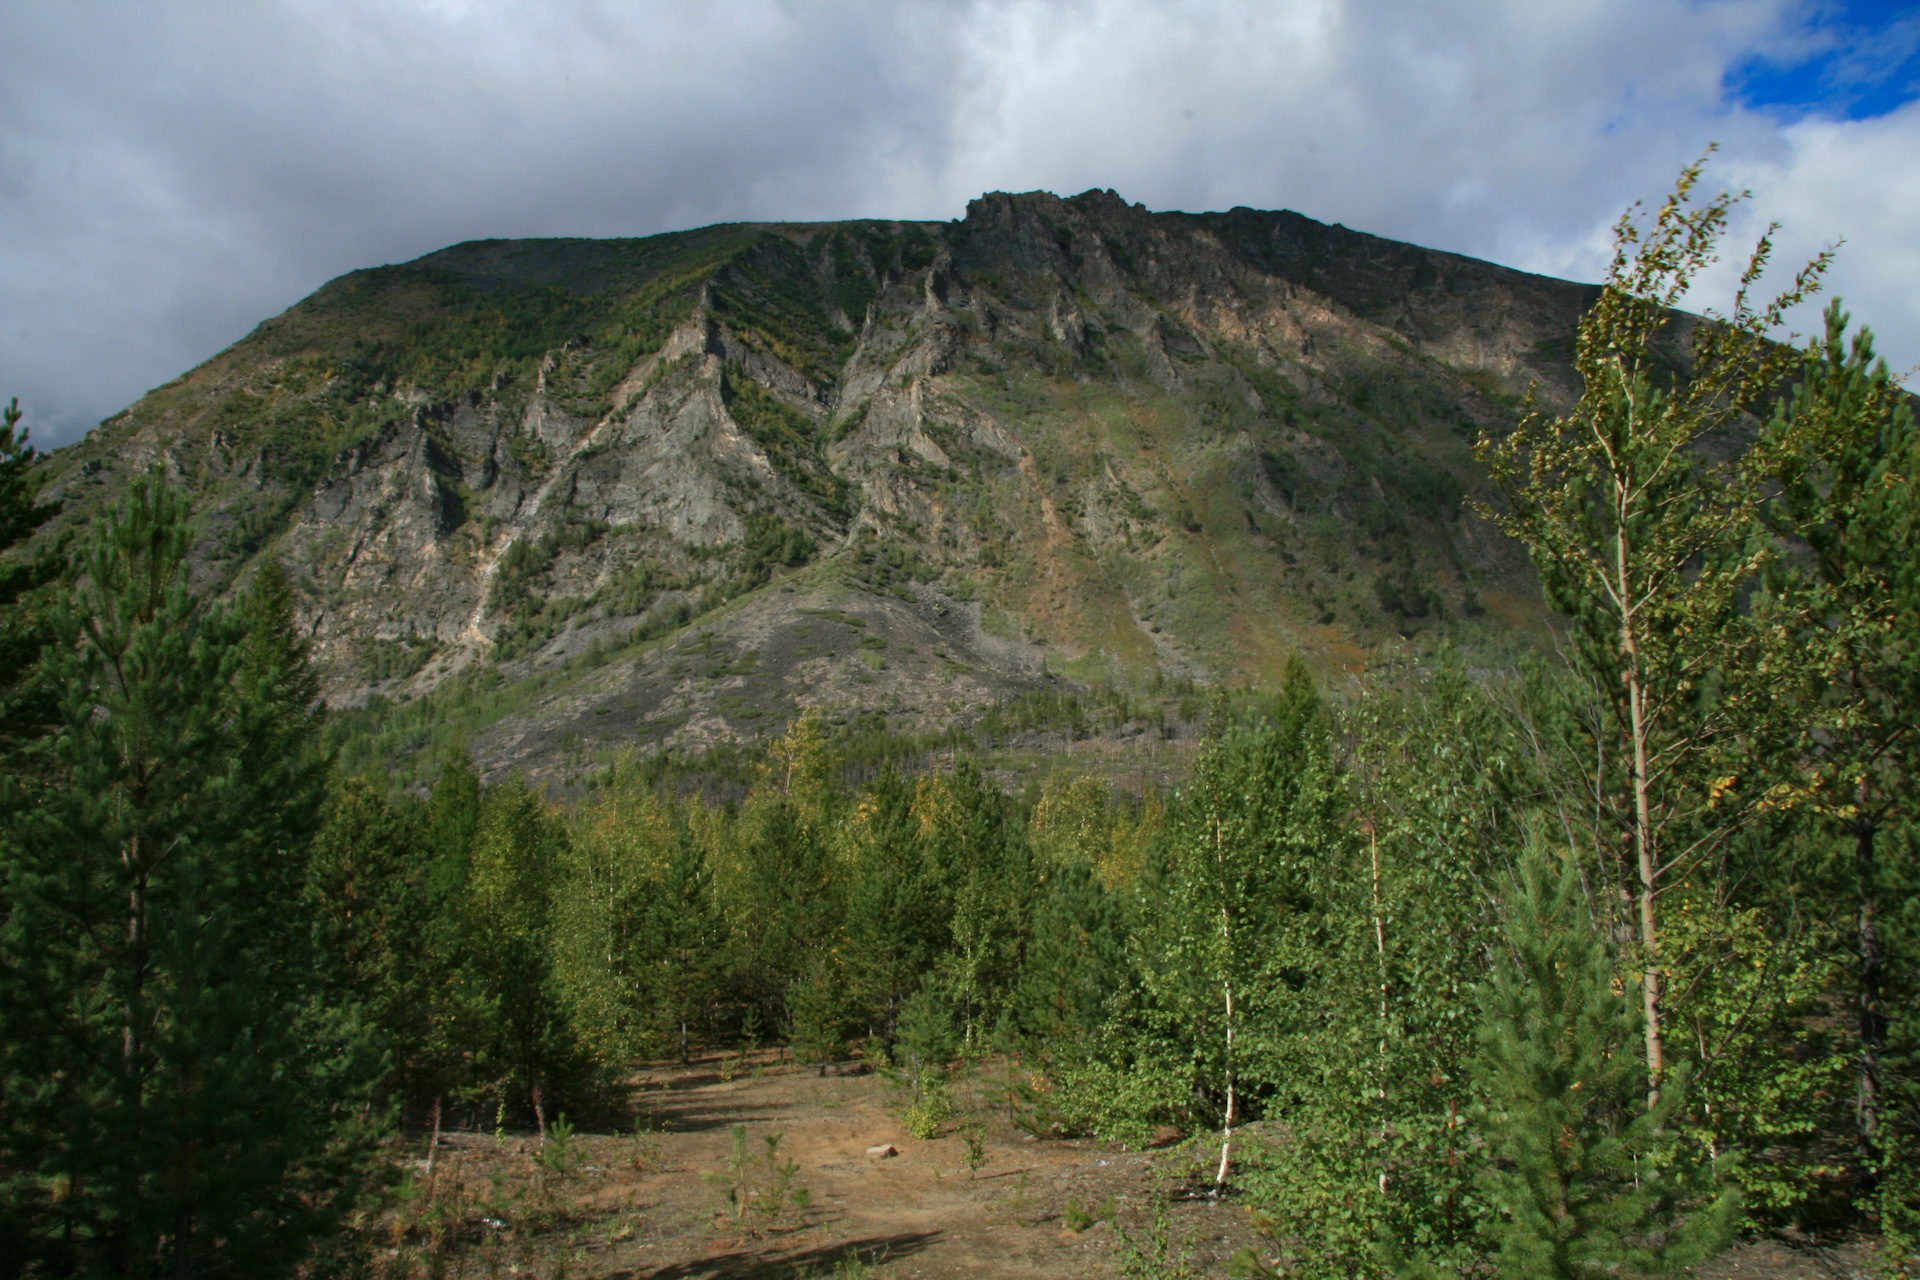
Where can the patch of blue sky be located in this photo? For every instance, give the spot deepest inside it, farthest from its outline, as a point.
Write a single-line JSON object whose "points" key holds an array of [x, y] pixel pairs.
{"points": [[1845, 60]]}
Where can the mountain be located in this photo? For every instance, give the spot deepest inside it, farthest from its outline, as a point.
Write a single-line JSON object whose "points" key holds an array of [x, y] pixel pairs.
{"points": [[587, 494]]}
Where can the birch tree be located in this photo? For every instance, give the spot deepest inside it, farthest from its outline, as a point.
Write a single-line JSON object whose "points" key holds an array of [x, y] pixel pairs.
{"points": [[1247, 836], [1644, 543]]}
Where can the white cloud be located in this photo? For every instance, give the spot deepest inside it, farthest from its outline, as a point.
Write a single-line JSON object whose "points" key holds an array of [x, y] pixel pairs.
{"points": [[1851, 181], [171, 173]]}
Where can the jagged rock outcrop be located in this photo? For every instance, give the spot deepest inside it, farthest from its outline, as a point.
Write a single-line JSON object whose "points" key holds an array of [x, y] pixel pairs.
{"points": [[909, 467]]}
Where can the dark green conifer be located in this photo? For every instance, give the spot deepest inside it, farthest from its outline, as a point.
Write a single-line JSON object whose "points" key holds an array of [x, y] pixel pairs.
{"points": [[516, 1024], [26, 702], [1589, 1182], [1076, 958], [1844, 452], [371, 900], [682, 936], [174, 1101], [896, 910]]}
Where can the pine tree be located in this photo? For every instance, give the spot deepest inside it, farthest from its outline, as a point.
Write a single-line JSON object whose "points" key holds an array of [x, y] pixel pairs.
{"points": [[1076, 959], [687, 937], [780, 889], [370, 896], [1590, 1183], [517, 1028], [897, 905], [174, 1101], [986, 875], [784, 905], [26, 703], [816, 1005], [1845, 452]]}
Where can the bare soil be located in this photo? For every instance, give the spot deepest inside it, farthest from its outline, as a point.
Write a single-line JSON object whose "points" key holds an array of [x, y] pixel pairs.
{"points": [[654, 1203]]}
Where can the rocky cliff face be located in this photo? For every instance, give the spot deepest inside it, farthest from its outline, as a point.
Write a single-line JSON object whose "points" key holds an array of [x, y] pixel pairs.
{"points": [[674, 489]]}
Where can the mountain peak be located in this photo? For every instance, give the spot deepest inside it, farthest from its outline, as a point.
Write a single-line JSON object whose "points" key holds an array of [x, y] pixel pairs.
{"points": [[687, 484]]}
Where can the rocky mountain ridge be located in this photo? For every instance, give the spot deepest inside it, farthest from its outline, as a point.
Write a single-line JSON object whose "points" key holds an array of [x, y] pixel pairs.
{"points": [[669, 491]]}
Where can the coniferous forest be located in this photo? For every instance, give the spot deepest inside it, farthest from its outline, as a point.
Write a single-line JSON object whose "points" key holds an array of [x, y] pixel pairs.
{"points": [[1580, 965]]}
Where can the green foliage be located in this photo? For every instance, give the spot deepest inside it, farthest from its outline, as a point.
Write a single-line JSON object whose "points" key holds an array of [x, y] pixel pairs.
{"points": [[528, 558], [1163, 1251], [1077, 1217], [1376, 1142], [533, 619], [399, 659], [516, 1020], [557, 1157], [21, 511], [969, 834], [770, 543], [155, 975], [815, 1014], [1645, 544], [771, 299], [863, 253], [793, 444], [974, 1132], [1588, 1181], [1291, 941], [885, 568], [1843, 452], [26, 703], [928, 1112], [1773, 1080], [1075, 962], [761, 1188], [468, 336], [1225, 952], [375, 904], [1405, 592], [640, 938]]}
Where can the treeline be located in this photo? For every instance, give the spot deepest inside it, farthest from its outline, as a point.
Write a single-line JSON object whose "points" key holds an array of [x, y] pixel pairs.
{"points": [[1308, 937]]}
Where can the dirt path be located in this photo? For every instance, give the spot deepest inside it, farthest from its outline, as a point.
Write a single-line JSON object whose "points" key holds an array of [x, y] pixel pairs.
{"points": [[655, 1204]]}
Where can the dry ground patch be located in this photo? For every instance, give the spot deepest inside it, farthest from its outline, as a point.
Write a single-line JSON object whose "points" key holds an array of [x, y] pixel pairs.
{"points": [[696, 1191]]}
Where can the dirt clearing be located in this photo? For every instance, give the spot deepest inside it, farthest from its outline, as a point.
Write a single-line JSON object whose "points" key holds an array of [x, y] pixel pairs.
{"points": [[754, 1167]]}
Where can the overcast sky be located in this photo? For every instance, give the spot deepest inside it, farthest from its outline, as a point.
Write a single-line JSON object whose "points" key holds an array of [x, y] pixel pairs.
{"points": [[173, 173]]}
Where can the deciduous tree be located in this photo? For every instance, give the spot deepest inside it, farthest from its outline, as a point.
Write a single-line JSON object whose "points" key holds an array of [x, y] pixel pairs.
{"points": [[1643, 543]]}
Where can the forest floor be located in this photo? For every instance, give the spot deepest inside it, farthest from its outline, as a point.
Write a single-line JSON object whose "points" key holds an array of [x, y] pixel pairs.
{"points": [[690, 1194]]}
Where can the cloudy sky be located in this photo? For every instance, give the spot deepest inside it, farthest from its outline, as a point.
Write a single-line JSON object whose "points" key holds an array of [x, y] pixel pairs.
{"points": [[172, 173]]}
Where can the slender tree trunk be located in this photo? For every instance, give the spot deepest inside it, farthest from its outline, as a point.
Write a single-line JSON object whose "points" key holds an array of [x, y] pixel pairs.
{"points": [[136, 914], [1650, 983], [1226, 1130], [1226, 988], [1649, 937], [1872, 1017], [1642, 816], [433, 1143], [1380, 950]]}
